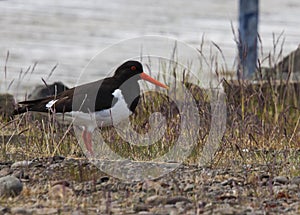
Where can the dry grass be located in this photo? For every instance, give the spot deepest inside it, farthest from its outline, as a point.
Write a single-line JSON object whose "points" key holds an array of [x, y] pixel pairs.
{"points": [[262, 126]]}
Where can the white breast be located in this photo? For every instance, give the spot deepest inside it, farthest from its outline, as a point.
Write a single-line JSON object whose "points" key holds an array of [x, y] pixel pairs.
{"points": [[107, 117], [116, 114]]}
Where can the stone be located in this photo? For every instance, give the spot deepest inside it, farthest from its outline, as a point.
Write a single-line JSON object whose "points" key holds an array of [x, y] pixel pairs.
{"points": [[21, 174], [145, 213], [103, 180], [20, 164], [285, 65], [10, 186], [189, 188], [280, 180], [155, 200], [296, 180], [4, 210], [290, 63], [21, 211], [140, 207], [42, 91], [175, 199]]}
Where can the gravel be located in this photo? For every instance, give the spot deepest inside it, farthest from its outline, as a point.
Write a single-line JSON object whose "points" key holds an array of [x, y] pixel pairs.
{"points": [[74, 186]]}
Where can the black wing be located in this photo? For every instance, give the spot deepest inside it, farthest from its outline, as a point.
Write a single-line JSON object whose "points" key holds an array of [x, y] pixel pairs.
{"points": [[87, 98]]}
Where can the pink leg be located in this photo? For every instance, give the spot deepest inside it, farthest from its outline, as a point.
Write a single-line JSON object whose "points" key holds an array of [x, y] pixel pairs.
{"points": [[87, 139]]}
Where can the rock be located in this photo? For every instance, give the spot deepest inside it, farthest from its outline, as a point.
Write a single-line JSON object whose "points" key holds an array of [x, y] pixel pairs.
{"points": [[10, 186], [227, 182], [227, 196], [103, 179], [175, 199], [189, 188], [296, 180], [145, 213], [293, 187], [21, 174], [225, 211], [233, 181], [155, 200], [4, 210], [20, 164], [21, 211], [61, 182], [57, 159], [7, 105], [140, 207], [264, 176], [290, 62], [42, 91], [280, 180]]}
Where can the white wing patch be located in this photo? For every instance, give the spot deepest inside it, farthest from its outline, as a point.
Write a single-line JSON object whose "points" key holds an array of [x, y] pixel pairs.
{"points": [[117, 93], [51, 103]]}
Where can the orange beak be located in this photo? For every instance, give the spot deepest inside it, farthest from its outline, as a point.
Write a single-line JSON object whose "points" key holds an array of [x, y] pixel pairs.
{"points": [[152, 80]]}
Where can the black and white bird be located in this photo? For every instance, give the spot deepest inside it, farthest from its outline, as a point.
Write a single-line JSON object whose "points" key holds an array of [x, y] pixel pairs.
{"points": [[101, 103]]}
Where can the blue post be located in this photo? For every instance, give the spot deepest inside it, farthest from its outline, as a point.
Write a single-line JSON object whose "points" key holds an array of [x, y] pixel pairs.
{"points": [[248, 22]]}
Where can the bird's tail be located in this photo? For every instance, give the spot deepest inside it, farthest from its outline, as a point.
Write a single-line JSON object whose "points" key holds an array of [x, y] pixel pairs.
{"points": [[26, 106]]}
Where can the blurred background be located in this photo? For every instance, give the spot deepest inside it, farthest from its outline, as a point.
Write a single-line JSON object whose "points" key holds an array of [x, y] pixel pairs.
{"points": [[67, 34]]}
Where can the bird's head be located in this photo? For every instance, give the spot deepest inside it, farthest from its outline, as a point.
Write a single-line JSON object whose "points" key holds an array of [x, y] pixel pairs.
{"points": [[131, 68]]}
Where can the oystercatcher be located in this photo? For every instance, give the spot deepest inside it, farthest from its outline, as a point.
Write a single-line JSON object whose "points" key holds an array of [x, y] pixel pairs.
{"points": [[101, 103]]}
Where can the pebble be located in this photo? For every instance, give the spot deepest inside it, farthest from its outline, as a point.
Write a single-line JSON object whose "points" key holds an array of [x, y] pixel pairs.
{"points": [[21, 211], [189, 188], [227, 182], [57, 158], [4, 210], [103, 179], [175, 199], [280, 180], [10, 186], [155, 200], [293, 187], [225, 211], [296, 180], [145, 213], [20, 164], [140, 207], [42, 91]]}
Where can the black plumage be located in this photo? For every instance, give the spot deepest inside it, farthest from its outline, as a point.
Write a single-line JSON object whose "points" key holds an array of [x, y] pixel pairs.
{"points": [[94, 96]]}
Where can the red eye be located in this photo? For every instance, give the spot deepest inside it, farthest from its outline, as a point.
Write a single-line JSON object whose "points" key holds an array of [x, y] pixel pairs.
{"points": [[133, 68]]}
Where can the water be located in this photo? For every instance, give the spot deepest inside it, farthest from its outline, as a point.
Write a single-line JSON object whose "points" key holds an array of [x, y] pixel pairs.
{"points": [[70, 32]]}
